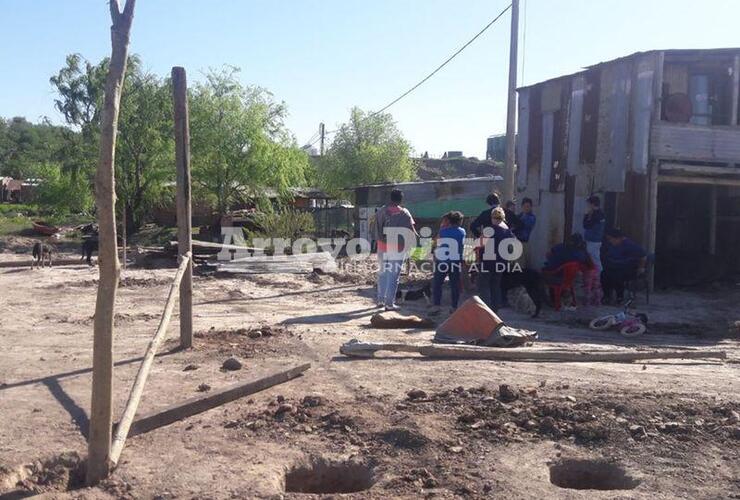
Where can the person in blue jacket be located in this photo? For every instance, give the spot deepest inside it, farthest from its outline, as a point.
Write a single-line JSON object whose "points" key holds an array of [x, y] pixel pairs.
{"points": [[624, 260], [594, 225]]}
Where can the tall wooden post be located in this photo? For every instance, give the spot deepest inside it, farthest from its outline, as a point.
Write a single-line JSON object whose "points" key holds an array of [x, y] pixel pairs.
{"points": [[184, 213], [735, 96], [713, 219], [101, 405], [508, 190]]}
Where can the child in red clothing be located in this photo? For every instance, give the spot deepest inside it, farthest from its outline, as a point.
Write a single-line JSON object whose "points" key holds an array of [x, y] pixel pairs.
{"points": [[591, 283]]}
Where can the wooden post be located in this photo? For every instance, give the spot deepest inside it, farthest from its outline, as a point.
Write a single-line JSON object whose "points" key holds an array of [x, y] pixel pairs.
{"points": [[184, 214], [123, 235], [508, 190], [101, 406], [652, 218], [138, 388], [713, 219], [735, 91]]}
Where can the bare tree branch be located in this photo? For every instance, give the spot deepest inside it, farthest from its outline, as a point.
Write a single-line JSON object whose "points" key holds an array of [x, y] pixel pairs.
{"points": [[115, 10]]}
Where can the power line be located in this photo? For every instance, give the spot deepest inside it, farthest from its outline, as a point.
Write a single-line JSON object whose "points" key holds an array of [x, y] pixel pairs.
{"points": [[447, 61]]}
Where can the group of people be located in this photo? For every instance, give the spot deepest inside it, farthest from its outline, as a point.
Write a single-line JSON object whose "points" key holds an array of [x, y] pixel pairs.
{"points": [[606, 257], [493, 226]]}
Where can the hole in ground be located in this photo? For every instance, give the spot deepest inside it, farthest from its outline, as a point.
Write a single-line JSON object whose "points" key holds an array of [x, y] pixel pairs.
{"points": [[64, 472], [588, 474], [322, 476]]}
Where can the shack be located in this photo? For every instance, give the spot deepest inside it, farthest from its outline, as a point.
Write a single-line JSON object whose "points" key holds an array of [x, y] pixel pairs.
{"points": [[656, 135], [427, 200]]}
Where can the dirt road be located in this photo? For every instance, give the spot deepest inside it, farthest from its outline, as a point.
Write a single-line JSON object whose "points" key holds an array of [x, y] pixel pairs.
{"points": [[663, 429]]}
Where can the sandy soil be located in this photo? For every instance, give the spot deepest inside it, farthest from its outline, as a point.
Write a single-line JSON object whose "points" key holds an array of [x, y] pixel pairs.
{"points": [[662, 429]]}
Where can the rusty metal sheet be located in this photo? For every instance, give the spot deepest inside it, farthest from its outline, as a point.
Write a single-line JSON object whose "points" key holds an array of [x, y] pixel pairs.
{"points": [[534, 143], [642, 111], [619, 103], [590, 123], [552, 96], [559, 154], [548, 124], [522, 139], [575, 120]]}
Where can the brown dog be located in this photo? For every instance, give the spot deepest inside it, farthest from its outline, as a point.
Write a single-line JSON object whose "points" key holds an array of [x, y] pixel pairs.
{"points": [[42, 253]]}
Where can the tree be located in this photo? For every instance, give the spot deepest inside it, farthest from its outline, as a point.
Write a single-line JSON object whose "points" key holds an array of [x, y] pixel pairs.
{"points": [[144, 148], [239, 142], [368, 149], [101, 411], [24, 146]]}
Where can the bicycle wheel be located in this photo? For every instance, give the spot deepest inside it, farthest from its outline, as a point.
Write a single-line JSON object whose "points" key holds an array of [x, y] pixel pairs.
{"points": [[602, 323], [633, 330]]}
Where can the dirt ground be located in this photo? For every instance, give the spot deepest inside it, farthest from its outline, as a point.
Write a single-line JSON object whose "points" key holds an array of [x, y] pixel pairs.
{"points": [[394, 426]]}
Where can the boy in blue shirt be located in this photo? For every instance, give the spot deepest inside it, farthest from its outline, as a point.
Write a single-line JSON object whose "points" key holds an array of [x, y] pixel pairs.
{"points": [[448, 257]]}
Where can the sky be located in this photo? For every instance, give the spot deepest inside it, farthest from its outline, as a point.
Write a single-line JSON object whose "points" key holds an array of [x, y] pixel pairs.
{"points": [[322, 57]]}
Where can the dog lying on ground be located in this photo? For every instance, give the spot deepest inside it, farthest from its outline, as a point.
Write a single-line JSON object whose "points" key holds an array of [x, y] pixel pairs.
{"points": [[531, 280], [42, 253], [89, 246], [415, 293]]}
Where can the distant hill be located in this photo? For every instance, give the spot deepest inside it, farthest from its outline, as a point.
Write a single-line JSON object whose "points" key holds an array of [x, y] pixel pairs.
{"points": [[434, 169]]}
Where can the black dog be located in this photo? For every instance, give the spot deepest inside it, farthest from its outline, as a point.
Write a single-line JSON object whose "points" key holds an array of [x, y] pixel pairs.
{"points": [[41, 254], [531, 280], [89, 246]]}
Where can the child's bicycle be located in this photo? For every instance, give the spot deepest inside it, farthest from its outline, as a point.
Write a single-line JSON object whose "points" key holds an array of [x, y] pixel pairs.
{"points": [[630, 323]]}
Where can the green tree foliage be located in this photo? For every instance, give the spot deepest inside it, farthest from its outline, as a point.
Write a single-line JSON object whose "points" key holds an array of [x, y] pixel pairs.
{"points": [[25, 145], [239, 142], [368, 149], [144, 149], [62, 192]]}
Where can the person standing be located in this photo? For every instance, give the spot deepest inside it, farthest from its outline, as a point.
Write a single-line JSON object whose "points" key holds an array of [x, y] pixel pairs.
{"points": [[489, 275], [394, 225], [484, 218], [624, 260], [527, 221], [594, 225], [448, 258]]}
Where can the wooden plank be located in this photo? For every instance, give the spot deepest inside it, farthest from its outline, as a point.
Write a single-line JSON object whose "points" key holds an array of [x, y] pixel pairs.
{"points": [[184, 201], [678, 179], [735, 100], [697, 169], [132, 404], [367, 349], [713, 220], [194, 406], [688, 142]]}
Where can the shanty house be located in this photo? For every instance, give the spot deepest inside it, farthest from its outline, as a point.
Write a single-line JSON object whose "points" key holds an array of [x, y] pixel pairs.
{"points": [[656, 135], [427, 201]]}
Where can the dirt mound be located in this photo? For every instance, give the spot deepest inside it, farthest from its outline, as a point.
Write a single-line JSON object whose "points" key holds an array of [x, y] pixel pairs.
{"points": [[62, 472], [248, 342]]}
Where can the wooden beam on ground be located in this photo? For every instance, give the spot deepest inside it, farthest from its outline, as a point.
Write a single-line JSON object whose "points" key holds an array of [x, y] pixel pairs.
{"points": [[119, 439], [184, 202], [57, 262], [365, 350], [217, 246], [179, 411]]}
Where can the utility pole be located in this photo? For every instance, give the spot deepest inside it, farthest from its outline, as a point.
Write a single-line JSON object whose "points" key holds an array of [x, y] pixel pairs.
{"points": [[508, 190], [322, 132]]}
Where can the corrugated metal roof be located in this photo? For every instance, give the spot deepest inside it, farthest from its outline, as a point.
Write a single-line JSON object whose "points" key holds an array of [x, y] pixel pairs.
{"points": [[439, 181], [668, 52]]}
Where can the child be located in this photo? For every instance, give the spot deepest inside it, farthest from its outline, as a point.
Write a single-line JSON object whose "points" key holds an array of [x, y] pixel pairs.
{"points": [[591, 283], [448, 257]]}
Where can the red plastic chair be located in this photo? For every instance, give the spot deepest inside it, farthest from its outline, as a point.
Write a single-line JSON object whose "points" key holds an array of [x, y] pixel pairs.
{"points": [[560, 279]]}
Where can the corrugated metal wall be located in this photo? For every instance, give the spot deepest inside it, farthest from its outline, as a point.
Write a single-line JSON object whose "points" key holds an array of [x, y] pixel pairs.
{"points": [[583, 134]]}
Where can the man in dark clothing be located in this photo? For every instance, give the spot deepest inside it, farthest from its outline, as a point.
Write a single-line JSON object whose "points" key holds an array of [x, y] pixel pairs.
{"points": [[624, 260], [492, 265], [484, 219]]}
